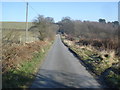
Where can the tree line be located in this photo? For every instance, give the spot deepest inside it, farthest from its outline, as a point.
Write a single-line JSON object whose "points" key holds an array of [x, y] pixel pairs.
{"points": [[101, 34], [104, 34]]}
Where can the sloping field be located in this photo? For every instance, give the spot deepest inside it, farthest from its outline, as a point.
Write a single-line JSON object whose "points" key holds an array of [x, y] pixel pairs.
{"points": [[15, 25], [15, 32]]}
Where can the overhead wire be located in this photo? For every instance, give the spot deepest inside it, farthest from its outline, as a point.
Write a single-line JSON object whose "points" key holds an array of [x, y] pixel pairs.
{"points": [[33, 9]]}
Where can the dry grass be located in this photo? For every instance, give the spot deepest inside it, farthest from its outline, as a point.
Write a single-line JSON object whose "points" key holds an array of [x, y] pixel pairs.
{"points": [[22, 63], [101, 62], [17, 36], [13, 55]]}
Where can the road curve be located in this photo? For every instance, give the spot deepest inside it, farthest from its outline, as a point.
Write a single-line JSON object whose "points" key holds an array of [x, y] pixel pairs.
{"points": [[62, 70]]}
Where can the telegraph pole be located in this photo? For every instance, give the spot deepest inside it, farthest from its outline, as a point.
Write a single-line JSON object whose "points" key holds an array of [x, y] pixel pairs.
{"points": [[119, 12], [26, 34]]}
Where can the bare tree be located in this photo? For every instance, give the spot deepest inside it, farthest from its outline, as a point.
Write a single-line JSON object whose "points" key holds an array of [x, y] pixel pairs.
{"points": [[45, 27]]}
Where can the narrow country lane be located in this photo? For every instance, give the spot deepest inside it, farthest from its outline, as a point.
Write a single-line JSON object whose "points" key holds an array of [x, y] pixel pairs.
{"points": [[62, 70]]}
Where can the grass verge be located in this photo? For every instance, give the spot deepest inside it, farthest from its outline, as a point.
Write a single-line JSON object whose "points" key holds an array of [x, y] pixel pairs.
{"points": [[24, 74], [100, 63]]}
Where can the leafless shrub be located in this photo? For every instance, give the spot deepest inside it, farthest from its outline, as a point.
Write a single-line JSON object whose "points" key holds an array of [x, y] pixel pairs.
{"points": [[45, 27], [98, 34]]}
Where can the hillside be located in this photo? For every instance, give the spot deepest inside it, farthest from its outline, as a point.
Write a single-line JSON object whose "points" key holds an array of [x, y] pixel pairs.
{"points": [[15, 25]]}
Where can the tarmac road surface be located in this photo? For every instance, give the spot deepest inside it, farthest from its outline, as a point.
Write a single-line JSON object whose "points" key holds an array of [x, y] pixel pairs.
{"points": [[61, 69]]}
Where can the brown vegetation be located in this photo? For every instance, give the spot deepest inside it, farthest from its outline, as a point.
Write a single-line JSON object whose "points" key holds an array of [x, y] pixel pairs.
{"points": [[102, 61], [97, 44], [103, 36], [14, 55], [15, 50], [44, 27]]}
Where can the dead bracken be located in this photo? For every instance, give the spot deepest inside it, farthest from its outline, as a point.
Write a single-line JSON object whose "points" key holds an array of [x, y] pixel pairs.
{"points": [[14, 55]]}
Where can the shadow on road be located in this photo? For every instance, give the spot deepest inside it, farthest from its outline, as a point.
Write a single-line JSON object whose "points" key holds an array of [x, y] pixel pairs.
{"points": [[89, 68], [17, 79], [61, 79]]}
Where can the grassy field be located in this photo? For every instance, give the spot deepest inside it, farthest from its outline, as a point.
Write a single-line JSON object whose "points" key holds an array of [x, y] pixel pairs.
{"points": [[15, 25], [18, 36], [14, 32]]}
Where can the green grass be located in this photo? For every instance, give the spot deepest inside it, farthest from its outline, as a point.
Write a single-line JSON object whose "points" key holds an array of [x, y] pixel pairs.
{"points": [[92, 58], [114, 79], [83, 52], [23, 76]]}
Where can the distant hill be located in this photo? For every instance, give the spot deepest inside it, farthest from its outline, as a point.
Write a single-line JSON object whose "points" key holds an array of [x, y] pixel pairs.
{"points": [[15, 25]]}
